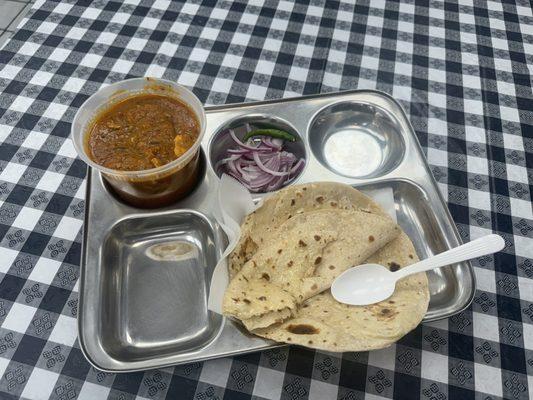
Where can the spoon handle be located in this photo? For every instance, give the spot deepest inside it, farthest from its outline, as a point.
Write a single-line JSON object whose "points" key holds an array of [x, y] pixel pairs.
{"points": [[476, 248]]}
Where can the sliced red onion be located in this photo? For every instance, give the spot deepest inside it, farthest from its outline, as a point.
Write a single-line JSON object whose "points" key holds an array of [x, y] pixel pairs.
{"points": [[261, 165], [267, 170]]}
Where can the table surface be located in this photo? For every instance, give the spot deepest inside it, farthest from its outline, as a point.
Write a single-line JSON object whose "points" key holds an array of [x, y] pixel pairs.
{"points": [[462, 73]]}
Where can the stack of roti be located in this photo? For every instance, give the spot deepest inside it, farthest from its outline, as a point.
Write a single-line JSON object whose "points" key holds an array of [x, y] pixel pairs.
{"points": [[294, 246]]}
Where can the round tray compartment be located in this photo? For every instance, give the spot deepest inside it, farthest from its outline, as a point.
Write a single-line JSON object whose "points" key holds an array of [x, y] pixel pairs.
{"points": [[221, 141], [356, 140]]}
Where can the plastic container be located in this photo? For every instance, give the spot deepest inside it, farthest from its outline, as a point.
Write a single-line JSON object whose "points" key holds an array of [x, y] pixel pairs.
{"points": [[155, 187]]}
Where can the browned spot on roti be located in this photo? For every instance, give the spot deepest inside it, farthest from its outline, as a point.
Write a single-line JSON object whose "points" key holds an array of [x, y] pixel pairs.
{"points": [[411, 256], [301, 243], [302, 329], [331, 267], [288, 283], [317, 237], [333, 203], [371, 238], [305, 306], [265, 276], [289, 216], [289, 264], [262, 298], [245, 278], [309, 342], [235, 300], [318, 260], [246, 301], [391, 301], [319, 199], [394, 266], [279, 251], [314, 287], [385, 311], [289, 339], [293, 202]]}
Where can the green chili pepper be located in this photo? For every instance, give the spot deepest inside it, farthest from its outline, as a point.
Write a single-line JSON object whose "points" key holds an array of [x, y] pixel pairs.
{"points": [[275, 133]]}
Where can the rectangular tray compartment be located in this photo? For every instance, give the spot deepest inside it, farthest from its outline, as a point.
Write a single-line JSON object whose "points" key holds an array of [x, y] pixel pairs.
{"points": [[152, 305]]}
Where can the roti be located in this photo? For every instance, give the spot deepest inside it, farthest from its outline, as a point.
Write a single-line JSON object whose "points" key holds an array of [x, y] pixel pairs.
{"points": [[263, 224], [304, 312], [323, 323], [309, 252]]}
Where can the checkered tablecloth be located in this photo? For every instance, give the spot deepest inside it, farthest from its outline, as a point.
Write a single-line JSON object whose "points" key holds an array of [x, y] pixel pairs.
{"points": [[461, 70]]}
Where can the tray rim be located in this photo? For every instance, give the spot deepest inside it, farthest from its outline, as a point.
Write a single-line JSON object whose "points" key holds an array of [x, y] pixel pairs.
{"points": [[360, 182]]}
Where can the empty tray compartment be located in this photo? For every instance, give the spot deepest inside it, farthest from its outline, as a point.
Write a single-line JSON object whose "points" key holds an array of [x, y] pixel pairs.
{"points": [[156, 270]]}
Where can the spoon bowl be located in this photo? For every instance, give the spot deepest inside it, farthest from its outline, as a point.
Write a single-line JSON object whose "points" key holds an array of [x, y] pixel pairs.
{"points": [[374, 283]]}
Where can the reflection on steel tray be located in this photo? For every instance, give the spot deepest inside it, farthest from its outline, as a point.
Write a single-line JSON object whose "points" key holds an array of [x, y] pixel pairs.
{"points": [[138, 312]]}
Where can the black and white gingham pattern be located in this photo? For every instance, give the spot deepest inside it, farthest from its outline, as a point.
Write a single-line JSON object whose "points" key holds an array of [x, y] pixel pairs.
{"points": [[463, 73]]}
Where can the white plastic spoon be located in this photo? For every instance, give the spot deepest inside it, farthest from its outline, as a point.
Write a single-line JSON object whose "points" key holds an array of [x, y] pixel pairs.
{"points": [[372, 283]]}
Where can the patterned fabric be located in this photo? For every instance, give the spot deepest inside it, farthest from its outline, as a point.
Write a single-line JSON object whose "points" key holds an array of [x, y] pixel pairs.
{"points": [[461, 70]]}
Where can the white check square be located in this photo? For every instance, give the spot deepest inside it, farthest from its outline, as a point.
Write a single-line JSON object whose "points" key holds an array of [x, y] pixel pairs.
{"points": [[477, 165], [44, 271], [106, 38], [73, 84], [12, 172], [137, 43], [28, 48], [68, 228], [298, 74], [188, 78], [91, 60], [123, 66], [332, 80], [155, 71], [485, 280], [50, 181], [528, 336], [304, 50], [384, 358], [268, 383], [149, 23], [55, 111], [120, 18], [65, 331], [40, 384], [41, 78], [7, 256], [488, 379], [90, 391], [27, 218], [198, 54], [19, 317], [265, 67], [479, 199], [59, 54], [486, 327], [21, 104], [322, 390], [272, 44], [434, 367], [256, 92]]}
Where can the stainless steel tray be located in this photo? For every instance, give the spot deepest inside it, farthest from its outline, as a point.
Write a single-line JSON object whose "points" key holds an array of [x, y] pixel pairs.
{"points": [[138, 313]]}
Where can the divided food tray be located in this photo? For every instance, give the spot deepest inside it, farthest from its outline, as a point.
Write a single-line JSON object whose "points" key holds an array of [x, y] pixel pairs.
{"points": [[142, 309]]}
